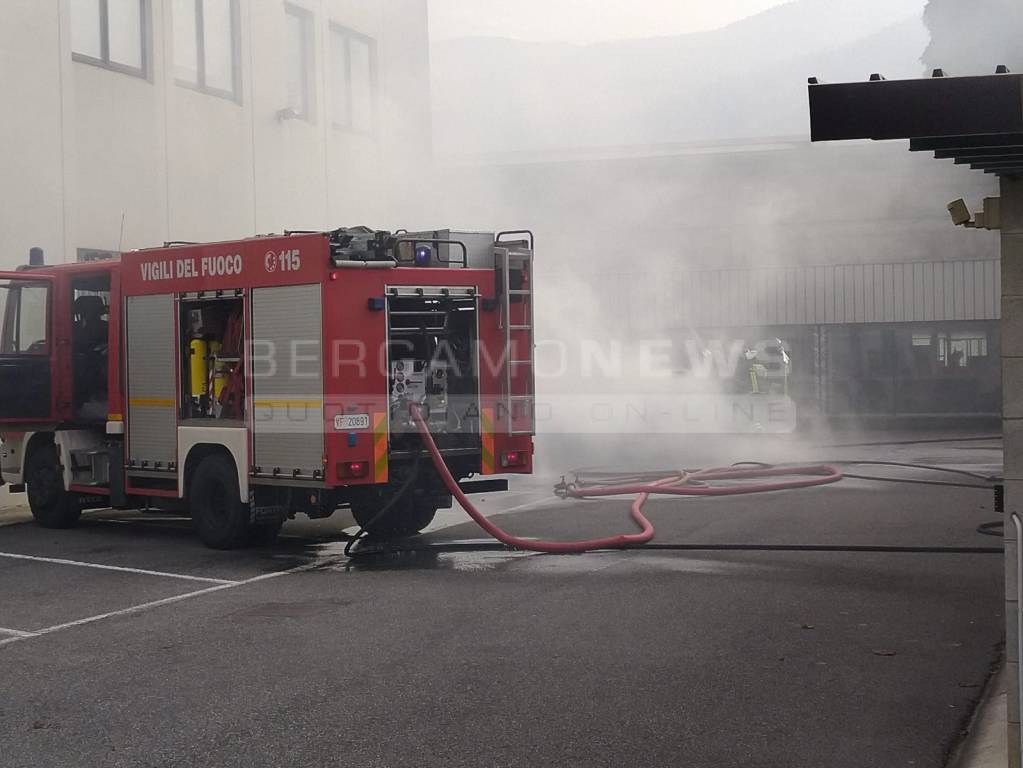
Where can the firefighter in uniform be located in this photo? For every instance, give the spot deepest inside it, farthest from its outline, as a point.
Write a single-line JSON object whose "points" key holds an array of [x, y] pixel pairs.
{"points": [[752, 372]]}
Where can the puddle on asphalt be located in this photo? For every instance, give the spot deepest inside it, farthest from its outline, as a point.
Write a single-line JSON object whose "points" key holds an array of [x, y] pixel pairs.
{"points": [[684, 564], [426, 559], [465, 559]]}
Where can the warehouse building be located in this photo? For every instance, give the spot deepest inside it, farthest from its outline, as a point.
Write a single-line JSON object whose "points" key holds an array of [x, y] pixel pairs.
{"points": [[914, 339]]}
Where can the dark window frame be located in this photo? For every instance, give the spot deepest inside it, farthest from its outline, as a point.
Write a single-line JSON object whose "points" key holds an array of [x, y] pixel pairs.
{"points": [[200, 83], [10, 343], [145, 43], [342, 35]]}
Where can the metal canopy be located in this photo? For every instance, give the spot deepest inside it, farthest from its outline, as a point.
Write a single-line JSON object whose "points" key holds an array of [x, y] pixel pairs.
{"points": [[975, 121]]}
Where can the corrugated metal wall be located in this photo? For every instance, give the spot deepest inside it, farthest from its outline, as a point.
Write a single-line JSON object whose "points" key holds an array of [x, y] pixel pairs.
{"points": [[811, 295], [287, 379], [152, 390]]}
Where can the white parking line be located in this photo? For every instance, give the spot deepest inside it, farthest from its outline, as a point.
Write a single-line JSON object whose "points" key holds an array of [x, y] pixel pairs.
{"points": [[99, 566], [158, 603], [16, 632]]}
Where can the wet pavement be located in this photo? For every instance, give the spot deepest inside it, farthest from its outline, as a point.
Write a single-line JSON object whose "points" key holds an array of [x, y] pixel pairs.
{"points": [[126, 643]]}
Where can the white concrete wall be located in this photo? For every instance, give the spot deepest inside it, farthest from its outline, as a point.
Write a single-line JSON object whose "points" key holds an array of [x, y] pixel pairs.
{"points": [[1012, 430], [31, 177], [91, 147]]}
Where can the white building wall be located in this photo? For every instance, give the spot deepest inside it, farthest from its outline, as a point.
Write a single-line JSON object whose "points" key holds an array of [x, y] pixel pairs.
{"points": [[209, 151], [1012, 431], [116, 159], [105, 160], [31, 177], [291, 166]]}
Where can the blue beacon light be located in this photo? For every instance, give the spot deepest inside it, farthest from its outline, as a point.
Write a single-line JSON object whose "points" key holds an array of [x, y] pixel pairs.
{"points": [[424, 255]]}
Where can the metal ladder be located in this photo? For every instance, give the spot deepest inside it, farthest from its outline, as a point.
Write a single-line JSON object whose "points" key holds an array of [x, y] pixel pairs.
{"points": [[508, 257]]}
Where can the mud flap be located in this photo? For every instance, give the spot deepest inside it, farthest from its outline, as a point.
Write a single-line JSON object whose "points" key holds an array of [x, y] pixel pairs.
{"points": [[262, 512]]}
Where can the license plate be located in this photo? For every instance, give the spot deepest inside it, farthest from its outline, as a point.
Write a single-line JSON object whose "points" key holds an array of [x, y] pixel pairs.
{"points": [[351, 421]]}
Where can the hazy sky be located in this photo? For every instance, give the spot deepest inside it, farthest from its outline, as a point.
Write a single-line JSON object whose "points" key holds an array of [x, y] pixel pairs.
{"points": [[583, 21]]}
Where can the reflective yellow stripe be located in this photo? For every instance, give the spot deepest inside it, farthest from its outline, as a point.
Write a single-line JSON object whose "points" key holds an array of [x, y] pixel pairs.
{"points": [[380, 466], [115, 417], [151, 402], [287, 403], [487, 441]]}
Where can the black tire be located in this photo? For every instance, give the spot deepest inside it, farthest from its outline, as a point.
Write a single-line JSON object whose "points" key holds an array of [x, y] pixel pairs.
{"points": [[405, 517], [265, 534], [218, 516], [51, 505]]}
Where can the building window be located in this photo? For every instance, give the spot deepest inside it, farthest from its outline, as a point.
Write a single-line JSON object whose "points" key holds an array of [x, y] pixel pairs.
{"points": [[206, 45], [956, 350], [353, 78], [111, 33], [301, 63]]}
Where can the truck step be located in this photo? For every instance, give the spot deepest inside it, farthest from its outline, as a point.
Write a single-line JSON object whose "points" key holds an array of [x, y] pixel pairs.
{"points": [[91, 467]]}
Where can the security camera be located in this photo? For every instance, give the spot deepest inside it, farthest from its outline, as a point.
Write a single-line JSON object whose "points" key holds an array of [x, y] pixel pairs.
{"points": [[960, 213]]}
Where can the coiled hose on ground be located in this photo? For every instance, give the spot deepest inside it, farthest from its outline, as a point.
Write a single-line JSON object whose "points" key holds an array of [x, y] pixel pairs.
{"points": [[677, 483]]}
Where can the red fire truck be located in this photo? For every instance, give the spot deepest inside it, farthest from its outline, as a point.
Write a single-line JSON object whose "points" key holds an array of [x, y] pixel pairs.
{"points": [[250, 381]]}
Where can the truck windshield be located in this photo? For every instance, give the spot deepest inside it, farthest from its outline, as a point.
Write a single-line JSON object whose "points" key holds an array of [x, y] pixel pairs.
{"points": [[23, 310]]}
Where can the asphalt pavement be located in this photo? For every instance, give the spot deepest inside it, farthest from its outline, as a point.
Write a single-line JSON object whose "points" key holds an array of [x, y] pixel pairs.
{"points": [[125, 643]]}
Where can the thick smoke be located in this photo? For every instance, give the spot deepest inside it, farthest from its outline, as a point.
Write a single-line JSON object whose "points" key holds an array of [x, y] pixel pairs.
{"points": [[637, 163], [972, 38]]}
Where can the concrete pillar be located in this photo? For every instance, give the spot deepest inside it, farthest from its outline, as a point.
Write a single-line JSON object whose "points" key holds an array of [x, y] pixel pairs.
{"points": [[1012, 430]]}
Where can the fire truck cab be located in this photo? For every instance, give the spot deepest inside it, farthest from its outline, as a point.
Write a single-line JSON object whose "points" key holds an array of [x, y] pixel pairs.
{"points": [[246, 382]]}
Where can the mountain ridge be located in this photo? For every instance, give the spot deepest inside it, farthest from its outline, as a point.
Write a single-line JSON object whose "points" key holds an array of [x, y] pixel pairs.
{"points": [[500, 95]]}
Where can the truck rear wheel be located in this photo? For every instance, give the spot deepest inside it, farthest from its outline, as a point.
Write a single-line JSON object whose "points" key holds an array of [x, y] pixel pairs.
{"points": [[51, 505], [219, 517], [405, 517]]}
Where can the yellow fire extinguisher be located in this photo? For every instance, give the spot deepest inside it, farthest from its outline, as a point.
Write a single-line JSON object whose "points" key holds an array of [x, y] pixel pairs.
{"points": [[198, 367]]}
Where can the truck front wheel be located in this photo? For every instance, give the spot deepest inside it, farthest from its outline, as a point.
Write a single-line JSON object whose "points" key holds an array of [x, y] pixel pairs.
{"points": [[51, 505], [219, 517]]}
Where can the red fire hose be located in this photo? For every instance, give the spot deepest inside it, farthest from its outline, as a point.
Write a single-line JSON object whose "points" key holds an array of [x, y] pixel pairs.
{"points": [[680, 483]]}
